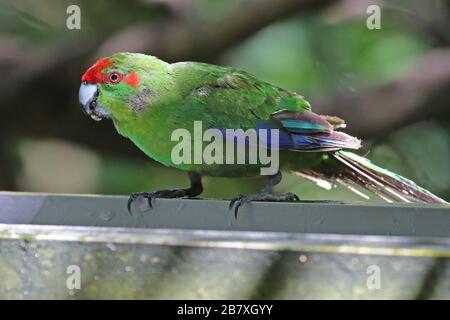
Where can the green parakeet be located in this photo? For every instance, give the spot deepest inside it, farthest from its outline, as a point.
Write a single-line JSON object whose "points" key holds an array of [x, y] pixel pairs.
{"points": [[148, 100]]}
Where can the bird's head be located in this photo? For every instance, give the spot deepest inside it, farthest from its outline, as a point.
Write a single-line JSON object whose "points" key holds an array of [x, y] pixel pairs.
{"points": [[109, 86]]}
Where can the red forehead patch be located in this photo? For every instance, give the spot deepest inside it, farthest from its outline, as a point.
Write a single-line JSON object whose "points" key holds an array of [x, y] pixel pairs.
{"points": [[94, 73]]}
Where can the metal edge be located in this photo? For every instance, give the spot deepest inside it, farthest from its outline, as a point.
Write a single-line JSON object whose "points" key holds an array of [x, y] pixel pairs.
{"points": [[312, 203], [330, 243]]}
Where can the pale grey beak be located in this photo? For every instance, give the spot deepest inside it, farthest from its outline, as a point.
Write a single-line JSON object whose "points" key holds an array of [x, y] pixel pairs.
{"points": [[88, 99]]}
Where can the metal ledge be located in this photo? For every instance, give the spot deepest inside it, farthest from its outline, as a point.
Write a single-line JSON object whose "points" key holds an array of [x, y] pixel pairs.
{"points": [[302, 218], [318, 243], [195, 249]]}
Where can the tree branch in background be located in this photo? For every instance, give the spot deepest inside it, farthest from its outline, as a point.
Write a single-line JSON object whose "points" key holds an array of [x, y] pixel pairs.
{"points": [[186, 40], [176, 40], [44, 82], [422, 94], [431, 19]]}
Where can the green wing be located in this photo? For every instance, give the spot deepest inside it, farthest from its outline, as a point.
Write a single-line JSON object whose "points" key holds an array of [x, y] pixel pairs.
{"points": [[226, 98], [234, 98]]}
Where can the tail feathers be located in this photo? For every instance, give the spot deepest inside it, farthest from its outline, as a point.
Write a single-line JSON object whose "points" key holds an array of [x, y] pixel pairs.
{"points": [[322, 142], [384, 182], [358, 171]]}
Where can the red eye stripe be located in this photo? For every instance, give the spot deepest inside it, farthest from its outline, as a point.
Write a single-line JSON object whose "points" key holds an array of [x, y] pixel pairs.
{"points": [[94, 73], [132, 79]]}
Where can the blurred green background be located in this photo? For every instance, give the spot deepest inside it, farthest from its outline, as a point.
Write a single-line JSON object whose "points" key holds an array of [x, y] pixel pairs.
{"points": [[391, 85]]}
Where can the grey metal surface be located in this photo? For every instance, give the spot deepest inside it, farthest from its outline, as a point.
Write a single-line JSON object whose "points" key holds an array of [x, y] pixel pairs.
{"points": [[324, 218], [189, 249], [185, 264]]}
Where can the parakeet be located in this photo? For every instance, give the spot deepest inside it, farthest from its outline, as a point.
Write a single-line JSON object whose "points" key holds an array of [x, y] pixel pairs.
{"points": [[148, 99]]}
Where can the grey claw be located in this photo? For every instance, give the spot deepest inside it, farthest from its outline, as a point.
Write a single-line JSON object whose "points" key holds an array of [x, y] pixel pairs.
{"points": [[148, 195], [236, 210], [237, 203], [150, 201], [232, 202], [292, 196], [130, 201]]}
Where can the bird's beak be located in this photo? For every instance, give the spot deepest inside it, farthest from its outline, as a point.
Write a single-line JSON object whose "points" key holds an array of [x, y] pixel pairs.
{"points": [[88, 99]]}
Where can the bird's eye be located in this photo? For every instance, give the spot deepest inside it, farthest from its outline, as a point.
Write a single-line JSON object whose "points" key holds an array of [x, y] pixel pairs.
{"points": [[114, 77]]}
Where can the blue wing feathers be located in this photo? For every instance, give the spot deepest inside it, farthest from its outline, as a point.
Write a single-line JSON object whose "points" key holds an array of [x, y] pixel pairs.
{"points": [[303, 126], [301, 135]]}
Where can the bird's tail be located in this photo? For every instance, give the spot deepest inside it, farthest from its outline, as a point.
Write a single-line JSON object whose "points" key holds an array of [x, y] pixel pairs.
{"points": [[356, 171]]}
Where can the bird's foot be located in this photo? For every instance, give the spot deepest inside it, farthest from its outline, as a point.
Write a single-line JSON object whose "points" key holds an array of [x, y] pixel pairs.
{"points": [[194, 190], [261, 196], [151, 196]]}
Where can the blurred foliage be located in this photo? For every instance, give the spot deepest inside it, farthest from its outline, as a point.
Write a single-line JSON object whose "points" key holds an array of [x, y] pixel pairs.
{"points": [[306, 53], [314, 57], [43, 22]]}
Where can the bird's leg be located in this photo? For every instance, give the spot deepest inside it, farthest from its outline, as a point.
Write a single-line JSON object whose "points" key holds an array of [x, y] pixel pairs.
{"points": [[264, 195], [194, 190]]}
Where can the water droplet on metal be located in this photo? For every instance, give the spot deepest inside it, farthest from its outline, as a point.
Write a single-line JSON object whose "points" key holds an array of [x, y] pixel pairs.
{"points": [[155, 260], [180, 207], [139, 206], [111, 246], [106, 215], [144, 207], [318, 222], [129, 268]]}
